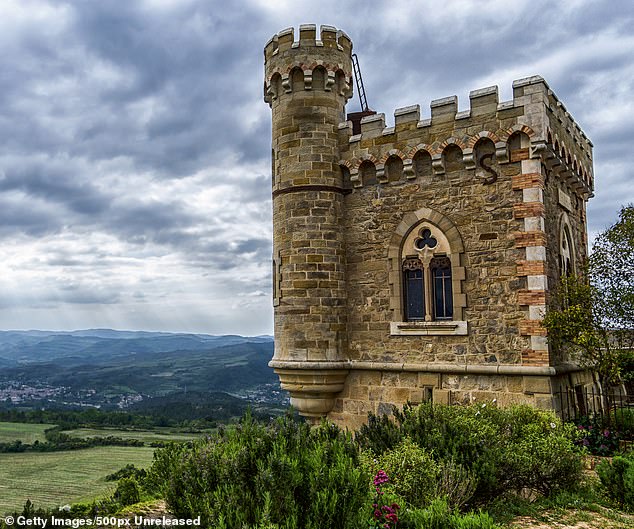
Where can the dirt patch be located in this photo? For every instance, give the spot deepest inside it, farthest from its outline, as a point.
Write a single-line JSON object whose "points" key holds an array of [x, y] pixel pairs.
{"points": [[576, 519]]}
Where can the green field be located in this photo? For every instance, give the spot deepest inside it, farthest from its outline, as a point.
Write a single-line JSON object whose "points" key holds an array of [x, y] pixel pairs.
{"points": [[18, 431], [147, 436], [56, 478]]}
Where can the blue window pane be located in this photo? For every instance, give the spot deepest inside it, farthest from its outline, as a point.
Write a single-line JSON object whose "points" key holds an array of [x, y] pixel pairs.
{"points": [[443, 300], [414, 295]]}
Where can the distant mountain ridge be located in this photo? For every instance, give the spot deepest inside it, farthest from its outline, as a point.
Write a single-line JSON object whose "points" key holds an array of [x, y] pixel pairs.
{"points": [[108, 367], [20, 347]]}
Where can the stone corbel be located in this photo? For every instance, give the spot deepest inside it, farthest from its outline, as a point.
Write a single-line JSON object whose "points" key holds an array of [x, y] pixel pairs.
{"points": [[538, 148], [308, 80], [501, 152], [355, 179], [408, 169], [346, 89], [286, 83], [468, 159], [330, 81], [437, 164], [380, 173]]}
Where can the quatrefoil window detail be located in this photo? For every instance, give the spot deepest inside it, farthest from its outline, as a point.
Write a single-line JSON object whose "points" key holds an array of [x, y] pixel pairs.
{"points": [[426, 240]]}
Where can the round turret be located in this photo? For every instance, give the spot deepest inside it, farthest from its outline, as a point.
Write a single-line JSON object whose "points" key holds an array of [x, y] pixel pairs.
{"points": [[307, 84]]}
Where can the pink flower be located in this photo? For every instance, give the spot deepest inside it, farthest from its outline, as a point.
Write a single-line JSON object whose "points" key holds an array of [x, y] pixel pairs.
{"points": [[380, 478]]}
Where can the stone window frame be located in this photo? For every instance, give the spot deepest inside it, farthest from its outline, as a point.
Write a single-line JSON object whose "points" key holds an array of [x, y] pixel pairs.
{"points": [[415, 221], [565, 227]]}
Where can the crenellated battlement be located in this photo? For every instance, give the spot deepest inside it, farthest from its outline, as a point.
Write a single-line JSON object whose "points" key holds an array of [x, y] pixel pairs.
{"points": [[331, 37], [308, 63], [549, 132]]}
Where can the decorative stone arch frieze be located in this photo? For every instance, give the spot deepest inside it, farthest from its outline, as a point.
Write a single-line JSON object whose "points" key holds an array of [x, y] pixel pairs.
{"points": [[468, 157], [355, 165], [451, 246], [506, 134], [482, 134], [448, 142], [334, 75], [392, 153]]}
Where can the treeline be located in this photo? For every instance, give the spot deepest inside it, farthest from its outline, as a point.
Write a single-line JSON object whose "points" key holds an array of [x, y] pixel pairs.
{"points": [[58, 441], [70, 418], [190, 410]]}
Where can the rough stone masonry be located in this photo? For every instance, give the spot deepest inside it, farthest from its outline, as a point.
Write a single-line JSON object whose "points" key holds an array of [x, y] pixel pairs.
{"points": [[414, 262]]}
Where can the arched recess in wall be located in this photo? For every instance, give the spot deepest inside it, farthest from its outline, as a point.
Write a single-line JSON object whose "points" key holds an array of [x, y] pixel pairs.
{"points": [[394, 168], [484, 156], [452, 158], [319, 78], [340, 83], [566, 247], [275, 87], [297, 79], [367, 173], [422, 165], [518, 146], [426, 276]]}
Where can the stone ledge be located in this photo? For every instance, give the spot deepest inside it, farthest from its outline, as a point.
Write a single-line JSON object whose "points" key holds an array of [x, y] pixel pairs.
{"points": [[428, 328], [430, 367]]}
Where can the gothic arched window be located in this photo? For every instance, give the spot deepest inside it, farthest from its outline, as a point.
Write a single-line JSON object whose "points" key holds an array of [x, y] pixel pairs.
{"points": [[426, 276], [427, 290]]}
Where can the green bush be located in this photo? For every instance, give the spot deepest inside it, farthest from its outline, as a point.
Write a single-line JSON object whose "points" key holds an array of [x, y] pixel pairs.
{"points": [[617, 477], [127, 492], [284, 474], [504, 450], [413, 474]]}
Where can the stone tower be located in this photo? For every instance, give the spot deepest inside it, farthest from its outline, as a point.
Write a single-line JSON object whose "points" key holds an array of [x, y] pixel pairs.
{"points": [[307, 85], [414, 262]]}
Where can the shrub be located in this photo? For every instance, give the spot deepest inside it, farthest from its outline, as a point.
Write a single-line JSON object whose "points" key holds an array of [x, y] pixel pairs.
{"points": [[456, 483], [284, 474], [598, 438], [504, 450], [165, 461], [617, 477], [413, 474], [128, 471], [127, 492], [623, 419]]}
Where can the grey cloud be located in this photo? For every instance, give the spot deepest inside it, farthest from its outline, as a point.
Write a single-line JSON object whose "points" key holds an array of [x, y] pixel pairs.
{"points": [[126, 92], [55, 180]]}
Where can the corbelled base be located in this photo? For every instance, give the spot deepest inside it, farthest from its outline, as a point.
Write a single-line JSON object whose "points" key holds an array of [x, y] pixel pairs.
{"points": [[312, 391]]}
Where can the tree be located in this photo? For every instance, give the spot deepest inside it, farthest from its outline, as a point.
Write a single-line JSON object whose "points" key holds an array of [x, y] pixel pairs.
{"points": [[591, 316]]}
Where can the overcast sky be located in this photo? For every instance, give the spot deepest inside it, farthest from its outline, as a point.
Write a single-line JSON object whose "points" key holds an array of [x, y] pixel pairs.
{"points": [[134, 160]]}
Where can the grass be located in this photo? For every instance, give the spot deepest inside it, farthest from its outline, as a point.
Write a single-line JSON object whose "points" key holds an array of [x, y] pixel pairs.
{"points": [[18, 431], [56, 478], [147, 436]]}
